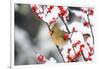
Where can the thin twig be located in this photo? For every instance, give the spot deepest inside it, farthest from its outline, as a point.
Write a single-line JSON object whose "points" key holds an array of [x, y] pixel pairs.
{"points": [[47, 25], [68, 32], [83, 56], [70, 38], [90, 28], [65, 25], [60, 53]]}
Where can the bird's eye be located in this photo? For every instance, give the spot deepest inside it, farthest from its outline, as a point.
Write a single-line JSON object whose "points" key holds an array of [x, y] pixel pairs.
{"points": [[52, 31]]}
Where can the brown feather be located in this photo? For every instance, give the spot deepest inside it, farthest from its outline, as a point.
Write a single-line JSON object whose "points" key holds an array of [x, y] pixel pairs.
{"points": [[57, 36]]}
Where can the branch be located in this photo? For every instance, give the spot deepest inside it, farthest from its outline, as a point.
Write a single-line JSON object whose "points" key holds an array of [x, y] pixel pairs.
{"points": [[68, 32], [90, 27], [60, 53], [83, 56], [70, 38]]}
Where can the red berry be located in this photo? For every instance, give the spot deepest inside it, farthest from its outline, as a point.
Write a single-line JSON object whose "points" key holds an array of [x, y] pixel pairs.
{"points": [[86, 24], [89, 58], [34, 8], [69, 49], [66, 36], [91, 48], [74, 29], [82, 46], [60, 7], [50, 8], [62, 13], [70, 58], [90, 54], [40, 58], [90, 11], [78, 54], [76, 43]]}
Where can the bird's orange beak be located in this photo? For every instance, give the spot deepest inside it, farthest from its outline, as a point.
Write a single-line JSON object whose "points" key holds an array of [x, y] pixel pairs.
{"points": [[50, 33]]}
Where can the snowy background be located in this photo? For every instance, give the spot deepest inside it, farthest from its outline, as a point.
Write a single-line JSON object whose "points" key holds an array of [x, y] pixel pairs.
{"points": [[33, 44]]}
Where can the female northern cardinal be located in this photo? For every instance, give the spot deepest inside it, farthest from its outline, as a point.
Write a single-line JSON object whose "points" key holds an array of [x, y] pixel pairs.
{"points": [[58, 36]]}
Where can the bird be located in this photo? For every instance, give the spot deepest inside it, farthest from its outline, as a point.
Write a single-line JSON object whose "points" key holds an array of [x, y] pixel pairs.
{"points": [[58, 36]]}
